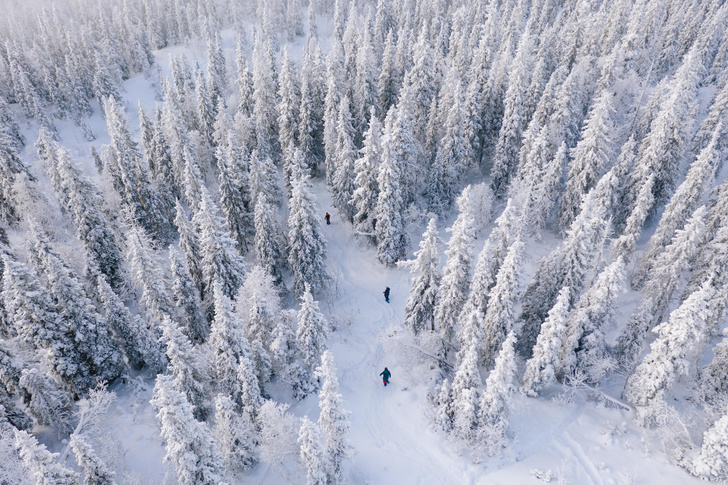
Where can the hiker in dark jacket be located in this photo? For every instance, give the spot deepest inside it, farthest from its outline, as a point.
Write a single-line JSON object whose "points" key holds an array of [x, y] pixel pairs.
{"points": [[385, 376], [386, 294]]}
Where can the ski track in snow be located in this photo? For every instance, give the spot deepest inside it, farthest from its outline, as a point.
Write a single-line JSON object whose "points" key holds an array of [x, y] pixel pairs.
{"points": [[577, 451]]}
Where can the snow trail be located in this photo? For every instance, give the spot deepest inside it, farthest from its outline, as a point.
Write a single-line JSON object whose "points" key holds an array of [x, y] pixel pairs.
{"points": [[388, 425]]}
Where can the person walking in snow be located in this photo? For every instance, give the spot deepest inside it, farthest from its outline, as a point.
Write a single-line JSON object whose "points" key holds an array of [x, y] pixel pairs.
{"points": [[328, 218], [385, 376], [386, 295]]}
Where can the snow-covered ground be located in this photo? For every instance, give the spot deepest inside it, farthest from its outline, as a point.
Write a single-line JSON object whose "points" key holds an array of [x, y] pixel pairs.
{"points": [[558, 437], [576, 442]]}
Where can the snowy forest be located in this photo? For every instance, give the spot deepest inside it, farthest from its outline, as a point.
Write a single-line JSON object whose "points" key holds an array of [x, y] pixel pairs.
{"points": [[539, 183]]}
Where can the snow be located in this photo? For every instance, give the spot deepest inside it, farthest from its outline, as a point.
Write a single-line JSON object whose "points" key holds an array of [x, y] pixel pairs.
{"points": [[578, 442]]}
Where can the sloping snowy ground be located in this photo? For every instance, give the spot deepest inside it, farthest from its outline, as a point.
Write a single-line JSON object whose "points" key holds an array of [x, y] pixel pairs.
{"points": [[577, 443], [583, 441]]}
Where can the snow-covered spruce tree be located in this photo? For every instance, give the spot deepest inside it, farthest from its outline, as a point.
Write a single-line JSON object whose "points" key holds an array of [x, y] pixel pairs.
{"points": [[716, 115], [572, 101], [47, 149], [11, 167], [244, 77], [293, 165], [622, 206], [220, 260], [715, 255], [264, 92], [186, 367], [136, 339], [190, 447], [419, 312], [659, 289], [481, 207], [481, 57], [717, 210], [313, 110], [350, 42], [10, 373], [442, 404], [590, 157], [187, 298], [391, 236], [146, 134], [492, 255], [268, 239], [30, 310], [42, 464], [311, 336], [234, 436], [250, 397], [131, 177], [225, 133], [104, 84], [307, 250], [228, 344], [96, 472], [175, 131], [584, 344], [205, 111], [259, 317], [312, 453], [713, 378], [495, 400], [47, 403], [289, 94], [189, 244], [366, 190], [333, 420], [625, 244], [147, 275], [99, 357], [662, 149], [216, 73], [92, 228], [453, 289], [567, 265], [342, 187], [390, 75], [261, 321], [423, 79], [334, 92], [685, 200], [465, 395], [541, 368], [404, 143], [680, 340], [513, 123], [365, 82], [712, 462], [544, 183], [192, 179], [500, 313], [235, 201], [283, 346], [452, 156], [10, 126]]}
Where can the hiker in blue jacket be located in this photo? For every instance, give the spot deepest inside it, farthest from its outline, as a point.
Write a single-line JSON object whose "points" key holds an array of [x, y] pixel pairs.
{"points": [[386, 294], [385, 376]]}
